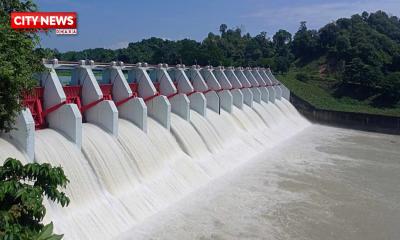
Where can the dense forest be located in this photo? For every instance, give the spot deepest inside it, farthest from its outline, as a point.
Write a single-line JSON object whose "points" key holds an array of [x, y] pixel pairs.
{"points": [[357, 57]]}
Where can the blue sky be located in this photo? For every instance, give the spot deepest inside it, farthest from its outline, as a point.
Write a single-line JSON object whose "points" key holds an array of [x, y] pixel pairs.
{"points": [[115, 23]]}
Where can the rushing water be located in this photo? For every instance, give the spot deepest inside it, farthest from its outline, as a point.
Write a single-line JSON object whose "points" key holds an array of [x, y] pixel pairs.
{"points": [[8, 150], [210, 136], [325, 183], [119, 182], [90, 205]]}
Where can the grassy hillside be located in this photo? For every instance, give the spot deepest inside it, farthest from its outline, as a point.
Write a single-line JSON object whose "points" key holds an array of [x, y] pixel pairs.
{"points": [[323, 92], [352, 64]]}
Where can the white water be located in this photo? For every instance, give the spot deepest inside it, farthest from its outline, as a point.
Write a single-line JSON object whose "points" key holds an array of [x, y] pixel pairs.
{"points": [[188, 138], [323, 184], [207, 132], [90, 205], [118, 182], [8, 150], [117, 171], [166, 172]]}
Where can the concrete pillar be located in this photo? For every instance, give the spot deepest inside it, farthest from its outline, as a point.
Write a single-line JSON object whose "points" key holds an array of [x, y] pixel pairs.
{"points": [[158, 107], [285, 92], [254, 85], [237, 96], [257, 76], [67, 118], [135, 111], [263, 85], [114, 75], [278, 90], [104, 113], [167, 87], [233, 79], [246, 86], [284, 89], [271, 90], [210, 79], [23, 136], [180, 104], [219, 73], [213, 100], [183, 83], [225, 96], [250, 77], [196, 97], [198, 100], [129, 107], [198, 103], [226, 100]]}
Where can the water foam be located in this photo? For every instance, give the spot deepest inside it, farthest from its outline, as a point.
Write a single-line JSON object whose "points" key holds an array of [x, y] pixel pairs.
{"points": [[116, 182], [90, 204], [9, 150]]}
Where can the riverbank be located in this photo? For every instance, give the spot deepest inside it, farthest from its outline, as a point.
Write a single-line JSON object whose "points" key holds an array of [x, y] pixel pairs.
{"points": [[320, 93], [353, 120]]}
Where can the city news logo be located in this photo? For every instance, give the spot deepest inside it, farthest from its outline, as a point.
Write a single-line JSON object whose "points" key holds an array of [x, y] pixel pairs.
{"points": [[63, 22]]}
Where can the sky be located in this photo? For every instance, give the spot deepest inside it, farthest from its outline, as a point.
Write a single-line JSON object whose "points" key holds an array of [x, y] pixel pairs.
{"points": [[115, 23]]}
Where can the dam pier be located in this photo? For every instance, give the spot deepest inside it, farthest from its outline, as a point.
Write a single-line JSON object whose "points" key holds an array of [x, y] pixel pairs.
{"points": [[135, 138]]}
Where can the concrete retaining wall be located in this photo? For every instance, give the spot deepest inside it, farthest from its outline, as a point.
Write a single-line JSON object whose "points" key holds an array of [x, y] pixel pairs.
{"points": [[360, 121]]}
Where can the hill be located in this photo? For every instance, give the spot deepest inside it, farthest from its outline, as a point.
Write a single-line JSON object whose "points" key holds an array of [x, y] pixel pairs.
{"points": [[352, 64]]}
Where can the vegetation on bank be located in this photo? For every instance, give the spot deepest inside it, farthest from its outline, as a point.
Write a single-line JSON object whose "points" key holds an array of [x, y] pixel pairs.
{"points": [[316, 92], [22, 192], [351, 64], [19, 60]]}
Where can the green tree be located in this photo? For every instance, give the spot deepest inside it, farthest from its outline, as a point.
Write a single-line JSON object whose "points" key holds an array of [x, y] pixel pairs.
{"points": [[391, 88], [190, 52], [222, 28], [282, 38], [328, 35], [389, 26], [283, 57], [357, 72], [265, 45], [22, 190], [305, 43], [231, 47], [18, 62], [282, 64]]}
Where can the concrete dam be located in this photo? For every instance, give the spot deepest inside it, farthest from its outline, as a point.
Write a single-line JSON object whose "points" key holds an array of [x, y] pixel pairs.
{"points": [[135, 138]]}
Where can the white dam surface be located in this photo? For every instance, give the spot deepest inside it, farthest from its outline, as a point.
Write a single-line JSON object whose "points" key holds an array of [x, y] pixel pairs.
{"points": [[257, 173]]}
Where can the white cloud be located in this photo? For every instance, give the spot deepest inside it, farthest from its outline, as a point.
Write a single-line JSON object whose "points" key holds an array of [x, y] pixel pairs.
{"points": [[319, 14], [117, 45]]}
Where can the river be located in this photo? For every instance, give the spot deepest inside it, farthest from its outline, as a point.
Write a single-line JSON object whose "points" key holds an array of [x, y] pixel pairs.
{"points": [[324, 183]]}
